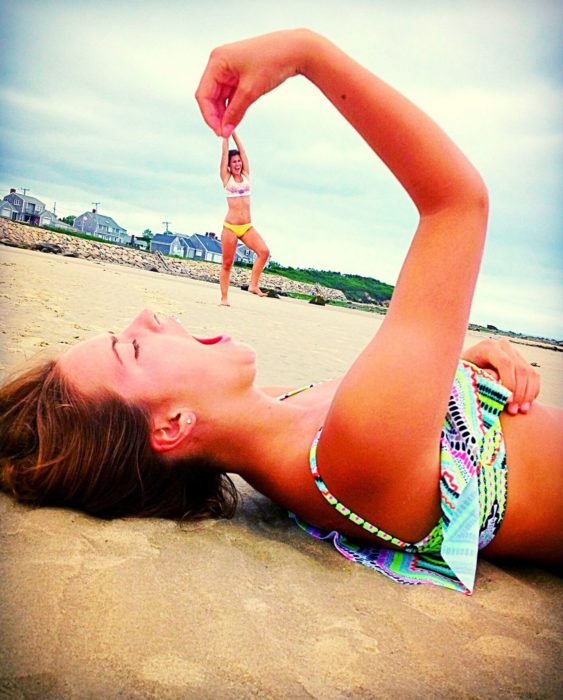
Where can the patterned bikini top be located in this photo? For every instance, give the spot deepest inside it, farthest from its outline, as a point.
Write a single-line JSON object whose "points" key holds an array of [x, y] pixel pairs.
{"points": [[472, 493], [237, 189], [344, 510]]}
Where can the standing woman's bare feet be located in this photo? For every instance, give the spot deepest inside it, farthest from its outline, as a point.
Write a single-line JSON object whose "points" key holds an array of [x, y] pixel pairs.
{"points": [[224, 302], [257, 291]]}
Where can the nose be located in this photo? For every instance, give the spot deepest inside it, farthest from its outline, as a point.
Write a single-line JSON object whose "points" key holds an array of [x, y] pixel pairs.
{"points": [[145, 322]]}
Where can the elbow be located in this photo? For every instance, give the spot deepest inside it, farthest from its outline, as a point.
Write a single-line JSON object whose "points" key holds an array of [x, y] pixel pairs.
{"points": [[471, 194], [472, 197], [478, 193]]}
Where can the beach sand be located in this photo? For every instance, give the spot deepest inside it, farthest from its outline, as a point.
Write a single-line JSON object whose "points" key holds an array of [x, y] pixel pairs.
{"points": [[248, 608]]}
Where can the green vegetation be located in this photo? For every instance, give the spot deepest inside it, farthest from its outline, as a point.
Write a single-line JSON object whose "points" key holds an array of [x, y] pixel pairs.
{"points": [[299, 295], [79, 234], [340, 303], [365, 290]]}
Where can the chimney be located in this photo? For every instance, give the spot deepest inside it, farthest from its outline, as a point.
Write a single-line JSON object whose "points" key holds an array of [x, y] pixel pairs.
{"points": [[12, 190], [93, 211]]}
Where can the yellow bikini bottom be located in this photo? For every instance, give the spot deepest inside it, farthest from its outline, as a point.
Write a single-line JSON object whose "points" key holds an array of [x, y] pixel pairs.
{"points": [[238, 229]]}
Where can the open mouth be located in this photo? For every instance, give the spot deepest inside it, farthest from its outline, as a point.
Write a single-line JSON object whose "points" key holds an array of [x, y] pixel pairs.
{"points": [[213, 341]]}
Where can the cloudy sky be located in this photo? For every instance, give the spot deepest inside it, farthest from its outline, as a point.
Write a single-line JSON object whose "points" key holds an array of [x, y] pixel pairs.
{"points": [[97, 106]]}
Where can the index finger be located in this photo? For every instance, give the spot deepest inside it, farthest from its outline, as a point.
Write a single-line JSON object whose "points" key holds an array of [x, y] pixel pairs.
{"points": [[214, 91]]}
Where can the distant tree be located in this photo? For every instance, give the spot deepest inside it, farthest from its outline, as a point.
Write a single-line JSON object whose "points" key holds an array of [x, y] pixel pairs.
{"points": [[68, 219], [147, 233]]}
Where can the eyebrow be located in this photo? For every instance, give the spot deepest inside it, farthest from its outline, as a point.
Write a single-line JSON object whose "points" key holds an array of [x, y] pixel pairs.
{"points": [[113, 344]]}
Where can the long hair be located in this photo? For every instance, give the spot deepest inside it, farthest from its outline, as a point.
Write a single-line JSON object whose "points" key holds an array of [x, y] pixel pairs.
{"points": [[59, 447]]}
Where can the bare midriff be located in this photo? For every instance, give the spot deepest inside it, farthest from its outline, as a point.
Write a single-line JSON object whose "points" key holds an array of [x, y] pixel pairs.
{"points": [[238, 211]]}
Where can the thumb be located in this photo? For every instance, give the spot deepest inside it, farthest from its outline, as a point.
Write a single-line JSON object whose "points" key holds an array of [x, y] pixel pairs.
{"points": [[240, 101]]}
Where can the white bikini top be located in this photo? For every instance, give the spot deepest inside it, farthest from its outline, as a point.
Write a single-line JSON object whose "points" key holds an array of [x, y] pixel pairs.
{"points": [[237, 189]]}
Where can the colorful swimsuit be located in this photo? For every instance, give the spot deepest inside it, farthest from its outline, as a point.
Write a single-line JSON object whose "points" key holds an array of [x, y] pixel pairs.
{"points": [[472, 490]]}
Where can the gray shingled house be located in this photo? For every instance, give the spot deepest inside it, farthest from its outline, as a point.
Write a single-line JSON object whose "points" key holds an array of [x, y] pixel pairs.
{"points": [[170, 244], [22, 207], [101, 226]]}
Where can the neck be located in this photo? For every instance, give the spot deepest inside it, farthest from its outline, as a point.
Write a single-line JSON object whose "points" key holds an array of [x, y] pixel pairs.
{"points": [[262, 439]]}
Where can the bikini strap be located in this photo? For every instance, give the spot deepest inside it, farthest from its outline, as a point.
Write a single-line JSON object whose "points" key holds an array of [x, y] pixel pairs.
{"points": [[291, 393], [346, 512]]}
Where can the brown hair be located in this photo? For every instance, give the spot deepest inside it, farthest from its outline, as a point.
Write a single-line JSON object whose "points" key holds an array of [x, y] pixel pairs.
{"points": [[232, 153], [61, 448]]}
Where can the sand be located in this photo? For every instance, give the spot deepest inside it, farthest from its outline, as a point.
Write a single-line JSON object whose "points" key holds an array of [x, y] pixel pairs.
{"points": [[249, 608]]}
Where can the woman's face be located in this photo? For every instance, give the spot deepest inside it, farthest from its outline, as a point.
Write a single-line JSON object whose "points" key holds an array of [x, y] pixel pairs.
{"points": [[155, 360], [236, 165]]}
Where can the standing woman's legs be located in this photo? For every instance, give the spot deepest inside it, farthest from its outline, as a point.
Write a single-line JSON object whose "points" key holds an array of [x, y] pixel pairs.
{"points": [[228, 249], [253, 240]]}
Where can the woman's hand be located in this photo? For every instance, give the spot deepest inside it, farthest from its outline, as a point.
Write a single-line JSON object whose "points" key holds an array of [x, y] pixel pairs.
{"points": [[501, 358], [238, 74]]}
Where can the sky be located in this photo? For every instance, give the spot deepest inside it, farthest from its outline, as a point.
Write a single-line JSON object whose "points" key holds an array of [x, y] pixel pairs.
{"points": [[97, 105]]}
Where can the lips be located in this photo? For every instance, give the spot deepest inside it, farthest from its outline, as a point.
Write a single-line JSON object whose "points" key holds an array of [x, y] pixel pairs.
{"points": [[213, 341]]}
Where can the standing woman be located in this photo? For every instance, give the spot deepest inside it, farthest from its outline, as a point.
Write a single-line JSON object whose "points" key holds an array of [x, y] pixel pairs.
{"points": [[237, 225]]}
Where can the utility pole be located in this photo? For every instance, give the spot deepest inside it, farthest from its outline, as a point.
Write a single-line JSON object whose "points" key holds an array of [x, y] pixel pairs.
{"points": [[25, 190], [55, 208], [166, 224], [96, 205]]}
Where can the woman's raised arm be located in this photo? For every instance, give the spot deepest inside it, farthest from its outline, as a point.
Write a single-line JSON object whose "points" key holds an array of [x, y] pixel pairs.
{"points": [[224, 166], [405, 374], [241, 150]]}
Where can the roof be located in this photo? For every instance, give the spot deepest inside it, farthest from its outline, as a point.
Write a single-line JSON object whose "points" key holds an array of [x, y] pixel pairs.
{"points": [[101, 219], [210, 244], [164, 237], [26, 199]]}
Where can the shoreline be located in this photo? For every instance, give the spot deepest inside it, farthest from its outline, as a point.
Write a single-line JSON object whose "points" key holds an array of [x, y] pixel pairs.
{"points": [[50, 301], [15, 234], [18, 235]]}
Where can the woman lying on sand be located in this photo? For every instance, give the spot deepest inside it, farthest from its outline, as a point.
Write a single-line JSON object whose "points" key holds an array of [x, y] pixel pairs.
{"points": [[410, 463], [235, 173]]}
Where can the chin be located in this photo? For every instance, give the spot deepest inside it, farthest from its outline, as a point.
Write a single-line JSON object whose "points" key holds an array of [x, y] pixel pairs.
{"points": [[248, 353]]}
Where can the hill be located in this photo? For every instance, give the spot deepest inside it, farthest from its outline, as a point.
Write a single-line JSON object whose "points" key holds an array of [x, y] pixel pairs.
{"points": [[365, 290]]}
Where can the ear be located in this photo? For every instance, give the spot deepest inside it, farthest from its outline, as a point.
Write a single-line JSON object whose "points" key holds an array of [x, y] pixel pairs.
{"points": [[170, 431]]}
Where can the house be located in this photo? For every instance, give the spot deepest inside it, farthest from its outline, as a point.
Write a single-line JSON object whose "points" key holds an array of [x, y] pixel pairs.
{"points": [[101, 226], [170, 244], [198, 246], [205, 247], [21, 207], [8, 210], [47, 218], [244, 254], [139, 242]]}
